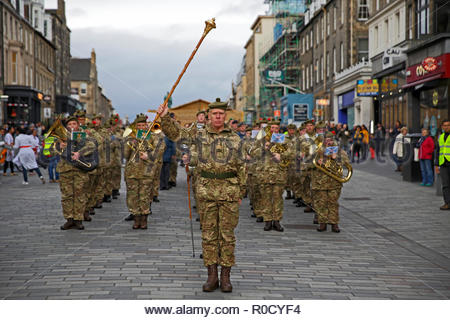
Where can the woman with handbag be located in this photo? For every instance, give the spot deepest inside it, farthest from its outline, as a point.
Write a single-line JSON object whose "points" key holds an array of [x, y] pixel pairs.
{"points": [[426, 148]]}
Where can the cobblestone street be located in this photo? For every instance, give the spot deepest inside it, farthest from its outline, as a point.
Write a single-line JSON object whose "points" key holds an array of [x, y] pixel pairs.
{"points": [[394, 244]]}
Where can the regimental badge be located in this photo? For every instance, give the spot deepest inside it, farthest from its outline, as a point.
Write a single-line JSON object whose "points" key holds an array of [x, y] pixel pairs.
{"points": [[78, 135], [141, 133]]}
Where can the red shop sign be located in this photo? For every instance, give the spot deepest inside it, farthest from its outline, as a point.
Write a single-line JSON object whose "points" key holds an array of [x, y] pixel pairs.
{"points": [[430, 68], [430, 64]]}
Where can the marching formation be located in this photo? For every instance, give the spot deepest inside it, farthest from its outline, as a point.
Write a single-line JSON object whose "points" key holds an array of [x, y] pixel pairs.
{"points": [[224, 168]]}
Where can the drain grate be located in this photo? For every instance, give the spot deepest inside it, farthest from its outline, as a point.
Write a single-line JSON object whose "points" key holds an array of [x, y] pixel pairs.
{"points": [[300, 226], [357, 199]]}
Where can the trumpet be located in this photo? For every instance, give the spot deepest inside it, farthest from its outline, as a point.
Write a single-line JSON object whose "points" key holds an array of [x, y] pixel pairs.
{"points": [[58, 131], [331, 167]]}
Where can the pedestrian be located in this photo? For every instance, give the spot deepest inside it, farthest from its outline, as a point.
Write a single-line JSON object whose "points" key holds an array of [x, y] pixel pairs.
{"points": [[443, 162], [379, 138], [357, 144], [53, 160], [168, 156], [365, 141], [26, 156], [241, 130], [399, 150], [9, 142], [343, 136], [372, 146], [426, 148], [220, 188]]}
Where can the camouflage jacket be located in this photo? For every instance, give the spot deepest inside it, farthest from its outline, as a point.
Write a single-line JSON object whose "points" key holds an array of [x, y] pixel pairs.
{"points": [[138, 168], [160, 148], [322, 181], [221, 171], [307, 149], [268, 169]]}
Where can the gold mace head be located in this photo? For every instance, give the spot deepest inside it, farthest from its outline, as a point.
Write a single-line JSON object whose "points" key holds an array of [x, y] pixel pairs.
{"points": [[210, 24]]}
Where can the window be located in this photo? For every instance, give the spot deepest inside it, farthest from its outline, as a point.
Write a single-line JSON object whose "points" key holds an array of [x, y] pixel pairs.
{"points": [[14, 72], [334, 61], [11, 35], [423, 17], [377, 5], [334, 18], [317, 70], [410, 23], [26, 75], [363, 10], [303, 78], [342, 57], [45, 28], [16, 31], [83, 88], [386, 32], [327, 63], [342, 11], [375, 37], [31, 77], [397, 24], [26, 41], [317, 33], [311, 75], [311, 38], [363, 49], [322, 70], [303, 45], [26, 11], [322, 28], [328, 24]]}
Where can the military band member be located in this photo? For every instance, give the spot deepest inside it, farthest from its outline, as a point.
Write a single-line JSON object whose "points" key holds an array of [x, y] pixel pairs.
{"points": [[258, 176], [139, 172], [220, 189], [327, 189], [297, 184], [116, 155], [308, 147], [72, 179], [291, 138], [273, 179]]}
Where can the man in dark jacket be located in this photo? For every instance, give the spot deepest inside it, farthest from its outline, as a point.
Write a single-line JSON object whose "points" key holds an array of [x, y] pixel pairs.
{"points": [[169, 154]]}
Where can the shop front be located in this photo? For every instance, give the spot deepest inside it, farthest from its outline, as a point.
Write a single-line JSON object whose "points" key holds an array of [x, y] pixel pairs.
{"points": [[23, 105], [428, 84], [346, 108]]}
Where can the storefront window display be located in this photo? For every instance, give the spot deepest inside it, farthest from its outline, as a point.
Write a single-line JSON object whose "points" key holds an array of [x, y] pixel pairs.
{"points": [[434, 107]]}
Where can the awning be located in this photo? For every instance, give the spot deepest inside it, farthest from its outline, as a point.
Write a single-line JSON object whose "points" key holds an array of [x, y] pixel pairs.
{"points": [[415, 83]]}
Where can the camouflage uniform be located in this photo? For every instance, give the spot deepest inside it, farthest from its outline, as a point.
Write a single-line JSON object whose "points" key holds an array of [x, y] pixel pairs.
{"points": [[117, 159], [297, 184], [291, 140], [103, 168], [138, 178], [158, 160], [307, 147], [326, 193], [95, 175], [273, 179], [73, 183], [174, 168], [220, 185]]}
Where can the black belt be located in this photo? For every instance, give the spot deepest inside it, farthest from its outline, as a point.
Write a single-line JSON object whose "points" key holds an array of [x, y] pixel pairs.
{"points": [[223, 175]]}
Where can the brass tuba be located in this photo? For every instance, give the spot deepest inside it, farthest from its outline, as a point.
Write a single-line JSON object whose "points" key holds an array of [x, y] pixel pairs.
{"points": [[331, 167]]}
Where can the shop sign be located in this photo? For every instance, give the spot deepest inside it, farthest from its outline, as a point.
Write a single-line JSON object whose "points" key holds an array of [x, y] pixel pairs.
{"points": [[47, 113], [277, 75], [393, 56], [47, 98], [430, 66], [367, 88], [323, 102]]}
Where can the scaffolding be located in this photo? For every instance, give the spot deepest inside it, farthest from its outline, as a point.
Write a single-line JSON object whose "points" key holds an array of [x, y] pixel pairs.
{"points": [[284, 55]]}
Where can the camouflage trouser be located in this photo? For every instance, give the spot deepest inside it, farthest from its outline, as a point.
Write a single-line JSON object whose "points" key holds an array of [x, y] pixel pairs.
{"points": [[91, 188], [250, 187], [101, 184], [108, 176], [290, 178], [156, 181], [73, 193], [257, 200], [220, 218], [297, 186], [173, 170], [272, 201], [306, 193], [116, 177], [326, 205], [138, 195]]}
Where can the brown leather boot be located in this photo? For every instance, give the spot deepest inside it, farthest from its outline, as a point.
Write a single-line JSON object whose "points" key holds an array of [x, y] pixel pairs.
{"points": [[268, 226], [68, 225], [225, 283], [316, 219], [322, 227], [277, 226], [445, 207], [137, 222], [144, 221], [212, 283], [78, 224], [335, 228], [86, 216]]}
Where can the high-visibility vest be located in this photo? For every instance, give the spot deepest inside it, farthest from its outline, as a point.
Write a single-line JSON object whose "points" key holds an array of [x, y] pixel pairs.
{"points": [[47, 144], [444, 149]]}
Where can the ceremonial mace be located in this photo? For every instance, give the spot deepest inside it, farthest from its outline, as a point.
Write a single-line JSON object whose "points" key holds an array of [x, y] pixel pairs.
{"points": [[210, 24]]}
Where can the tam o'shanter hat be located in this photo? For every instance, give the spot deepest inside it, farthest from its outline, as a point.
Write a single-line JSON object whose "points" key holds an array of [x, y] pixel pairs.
{"points": [[97, 116], [71, 118], [200, 112], [218, 105], [80, 114], [274, 122], [320, 125], [329, 135], [292, 126], [310, 121], [141, 118]]}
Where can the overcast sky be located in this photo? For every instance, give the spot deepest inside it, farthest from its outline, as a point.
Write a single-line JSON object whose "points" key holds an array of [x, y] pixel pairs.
{"points": [[142, 46]]}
